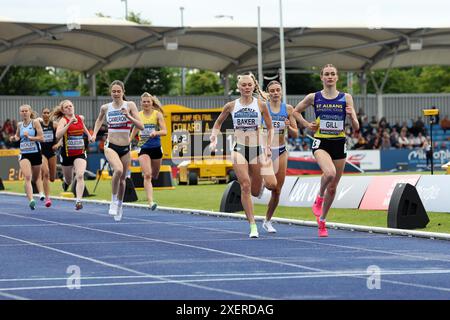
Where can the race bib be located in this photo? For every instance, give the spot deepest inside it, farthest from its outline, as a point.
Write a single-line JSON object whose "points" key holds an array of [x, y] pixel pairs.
{"points": [[28, 147], [48, 136], [331, 126], [75, 143], [148, 129], [315, 144]]}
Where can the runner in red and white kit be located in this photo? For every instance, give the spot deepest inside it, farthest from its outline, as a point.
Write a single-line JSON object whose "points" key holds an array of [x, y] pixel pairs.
{"points": [[70, 129]]}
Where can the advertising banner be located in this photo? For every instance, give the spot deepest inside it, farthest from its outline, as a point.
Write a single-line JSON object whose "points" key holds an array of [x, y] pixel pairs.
{"points": [[434, 192], [302, 191], [379, 192]]}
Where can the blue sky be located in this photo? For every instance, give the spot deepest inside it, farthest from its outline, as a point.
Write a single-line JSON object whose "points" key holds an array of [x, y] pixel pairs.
{"points": [[350, 13]]}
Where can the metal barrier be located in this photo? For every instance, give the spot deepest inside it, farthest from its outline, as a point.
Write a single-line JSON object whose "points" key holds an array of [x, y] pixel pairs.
{"points": [[396, 107]]}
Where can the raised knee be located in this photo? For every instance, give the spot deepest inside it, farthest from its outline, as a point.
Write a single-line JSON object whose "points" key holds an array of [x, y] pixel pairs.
{"points": [[329, 174], [118, 172], [79, 176]]}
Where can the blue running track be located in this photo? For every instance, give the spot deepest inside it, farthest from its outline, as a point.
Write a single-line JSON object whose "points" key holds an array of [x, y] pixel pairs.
{"points": [[160, 255]]}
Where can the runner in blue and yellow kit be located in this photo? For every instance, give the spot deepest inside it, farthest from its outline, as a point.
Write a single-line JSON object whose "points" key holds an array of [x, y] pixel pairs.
{"points": [[331, 108], [150, 153]]}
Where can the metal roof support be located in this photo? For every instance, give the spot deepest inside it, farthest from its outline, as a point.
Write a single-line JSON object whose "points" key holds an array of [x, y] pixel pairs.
{"points": [[92, 85], [379, 89], [132, 68], [260, 68], [282, 57], [4, 72], [226, 84]]}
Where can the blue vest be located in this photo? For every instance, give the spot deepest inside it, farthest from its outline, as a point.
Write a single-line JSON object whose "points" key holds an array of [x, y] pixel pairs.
{"points": [[330, 115], [278, 118], [26, 145]]}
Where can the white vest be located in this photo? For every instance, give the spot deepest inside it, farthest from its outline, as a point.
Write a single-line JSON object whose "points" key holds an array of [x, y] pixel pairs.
{"points": [[248, 117]]}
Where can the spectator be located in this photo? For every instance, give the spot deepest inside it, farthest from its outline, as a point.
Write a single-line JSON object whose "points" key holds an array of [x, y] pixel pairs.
{"points": [[361, 142], [420, 140], [419, 126], [403, 141], [386, 141], [383, 123], [394, 137], [374, 142], [414, 141], [397, 126], [445, 124]]}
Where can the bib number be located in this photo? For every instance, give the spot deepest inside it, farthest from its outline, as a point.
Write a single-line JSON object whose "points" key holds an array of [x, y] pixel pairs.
{"points": [[315, 144]]}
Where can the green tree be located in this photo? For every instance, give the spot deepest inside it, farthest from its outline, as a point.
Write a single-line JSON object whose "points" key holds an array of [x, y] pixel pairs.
{"points": [[201, 82], [28, 81], [435, 79]]}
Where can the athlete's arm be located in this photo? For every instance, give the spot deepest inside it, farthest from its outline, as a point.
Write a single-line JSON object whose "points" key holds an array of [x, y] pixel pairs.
{"points": [[133, 115], [99, 121], [291, 123], [301, 107], [227, 109], [162, 126], [351, 113]]}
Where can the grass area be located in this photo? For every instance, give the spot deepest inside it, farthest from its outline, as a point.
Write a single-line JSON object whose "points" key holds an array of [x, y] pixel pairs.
{"points": [[207, 196]]}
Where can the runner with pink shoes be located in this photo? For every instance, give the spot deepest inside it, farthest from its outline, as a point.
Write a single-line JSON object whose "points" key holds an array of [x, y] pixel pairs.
{"points": [[331, 107]]}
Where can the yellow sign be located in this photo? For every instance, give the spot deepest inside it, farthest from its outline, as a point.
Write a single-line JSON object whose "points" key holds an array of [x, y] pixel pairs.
{"points": [[9, 152], [430, 112]]}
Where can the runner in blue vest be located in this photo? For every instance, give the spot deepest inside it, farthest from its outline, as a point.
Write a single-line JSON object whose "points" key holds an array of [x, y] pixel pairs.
{"points": [[283, 122], [29, 133], [331, 108]]}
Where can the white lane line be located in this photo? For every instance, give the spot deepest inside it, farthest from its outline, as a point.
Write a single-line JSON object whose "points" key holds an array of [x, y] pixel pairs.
{"points": [[244, 278], [12, 296], [106, 264], [239, 255], [337, 273]]}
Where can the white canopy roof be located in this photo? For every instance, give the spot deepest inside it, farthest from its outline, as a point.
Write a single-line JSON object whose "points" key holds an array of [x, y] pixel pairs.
{"points": [[109, 44]]}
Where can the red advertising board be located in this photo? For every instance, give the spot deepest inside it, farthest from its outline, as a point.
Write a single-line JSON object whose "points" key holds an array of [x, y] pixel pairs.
{"points": [[380, 190]]}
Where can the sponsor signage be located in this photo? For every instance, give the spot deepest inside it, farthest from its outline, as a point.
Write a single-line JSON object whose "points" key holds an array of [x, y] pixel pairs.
{"points": [[434, 193], [379, 192], [302, 191]]}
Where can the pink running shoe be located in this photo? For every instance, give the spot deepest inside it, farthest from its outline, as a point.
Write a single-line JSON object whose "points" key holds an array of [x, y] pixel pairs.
{"points": [[317, 207], [48, 203], [322, 229]]}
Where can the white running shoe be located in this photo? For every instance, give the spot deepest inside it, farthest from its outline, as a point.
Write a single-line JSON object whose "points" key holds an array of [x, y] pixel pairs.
{"points": [[267, 225], [41, 196], [153, 206], [113, 208], [118, 216]]}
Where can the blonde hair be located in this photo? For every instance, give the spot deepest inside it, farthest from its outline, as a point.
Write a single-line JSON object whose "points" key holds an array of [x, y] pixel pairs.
{"points": [[57, 112], [156, 103], [33, 114], [263, 95], [328, 65]]}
